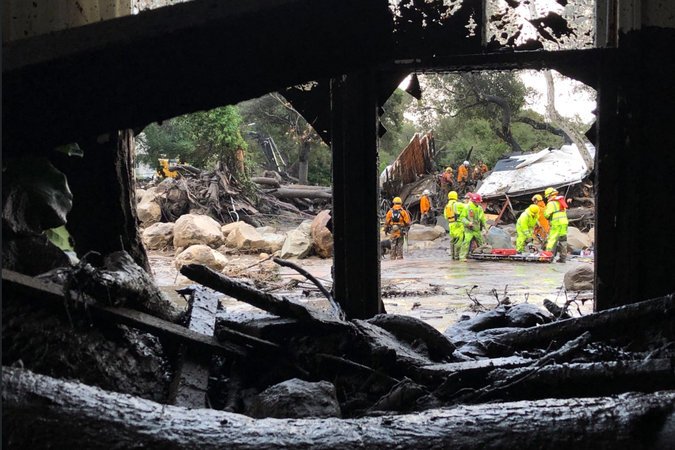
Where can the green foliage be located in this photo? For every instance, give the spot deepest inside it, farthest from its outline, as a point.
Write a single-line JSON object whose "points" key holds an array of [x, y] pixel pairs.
{"points": [[456, 137], [203, 138]]}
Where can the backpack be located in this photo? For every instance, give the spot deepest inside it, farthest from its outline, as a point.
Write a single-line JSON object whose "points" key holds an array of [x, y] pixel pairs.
{"points": [[395, 215], [561, 201]]}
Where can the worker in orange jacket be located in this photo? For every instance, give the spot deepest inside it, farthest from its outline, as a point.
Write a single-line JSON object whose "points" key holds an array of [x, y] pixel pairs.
{"points": [[425, 207], [396, 224], [447, 179], [542, 227], [463, 172]]}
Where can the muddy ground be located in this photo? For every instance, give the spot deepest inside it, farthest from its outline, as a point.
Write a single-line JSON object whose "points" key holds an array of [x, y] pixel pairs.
{"points": [[427, 284]]}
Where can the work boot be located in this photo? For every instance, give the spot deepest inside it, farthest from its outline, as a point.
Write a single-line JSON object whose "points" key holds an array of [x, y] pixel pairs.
{"points": [[563, 249]]}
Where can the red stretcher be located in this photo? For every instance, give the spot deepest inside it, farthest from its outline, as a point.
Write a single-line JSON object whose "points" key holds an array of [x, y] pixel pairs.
{"points": [[510, 254]]}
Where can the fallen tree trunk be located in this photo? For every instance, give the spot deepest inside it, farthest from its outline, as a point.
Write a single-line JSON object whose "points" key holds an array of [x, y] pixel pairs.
{"points": [[265, 181], [74, 415], [285, 192]]}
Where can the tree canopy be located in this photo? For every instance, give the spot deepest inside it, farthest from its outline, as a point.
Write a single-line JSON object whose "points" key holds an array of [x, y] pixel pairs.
{"points": [[203, 138]]}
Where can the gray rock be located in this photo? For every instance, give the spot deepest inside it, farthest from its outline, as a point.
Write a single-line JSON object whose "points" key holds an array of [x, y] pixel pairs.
{"points": [[296, 398], [577, 239], [423, 233], [297, 245], [148, 212], [579, 279], [499, 238]]}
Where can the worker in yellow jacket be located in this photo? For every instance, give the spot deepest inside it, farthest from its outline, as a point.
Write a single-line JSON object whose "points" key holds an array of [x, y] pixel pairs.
{"points": [[474, 221], [555, 213], [525, 227], [396, 224], [542, 227], [451, 212]]}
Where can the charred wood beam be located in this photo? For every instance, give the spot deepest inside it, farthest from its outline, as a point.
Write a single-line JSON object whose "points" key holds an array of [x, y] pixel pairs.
{"points": [[280, 306], [615, 322], [356, 260], [191, 377], [77, 413], [51, 81], [51, 295]]}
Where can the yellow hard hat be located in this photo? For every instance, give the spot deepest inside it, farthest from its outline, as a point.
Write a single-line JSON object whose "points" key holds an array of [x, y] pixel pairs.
{"points": [[550, 191], [452, 195], [448, 169], [537, 198], [533, 210], [397, 200]]}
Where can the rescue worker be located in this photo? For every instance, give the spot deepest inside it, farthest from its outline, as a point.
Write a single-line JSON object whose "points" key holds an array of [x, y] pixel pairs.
{"points": [[477, 173], [474, 221], [397, 222], [425, 207], [542, 227], [483, 168], [555, 213], [447, 179], [451, 212], [525, 227], [463, 175]]}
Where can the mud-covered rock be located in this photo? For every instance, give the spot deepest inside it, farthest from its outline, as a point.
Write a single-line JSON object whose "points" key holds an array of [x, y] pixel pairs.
{"points": [[322, 238], [579, 278], [193, 229], [113, 357], [35, 195], [201, 254], [272, 242], [32, 255], [158, 236], [527, 315], [296, 398]]}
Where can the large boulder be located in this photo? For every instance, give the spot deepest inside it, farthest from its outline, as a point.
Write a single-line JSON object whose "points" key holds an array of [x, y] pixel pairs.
{"points": [[305, 227], [158, 236], [272, 242], [580, 278], [266, 230], [201, 254], [423, 233], [244, 237], [226, 229], [298, 244], [322, 238], [498, 238], [197, 229], [149, 195], [591, 235], [577, 239], [296, 398], [148, 212]]}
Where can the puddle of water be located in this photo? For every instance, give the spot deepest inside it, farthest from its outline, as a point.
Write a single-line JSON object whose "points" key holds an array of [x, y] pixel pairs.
{"points": [[427, 284]]}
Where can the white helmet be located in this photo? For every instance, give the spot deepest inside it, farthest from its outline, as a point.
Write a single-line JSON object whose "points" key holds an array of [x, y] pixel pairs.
{"points": [[426, 192], [466, 163]]}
